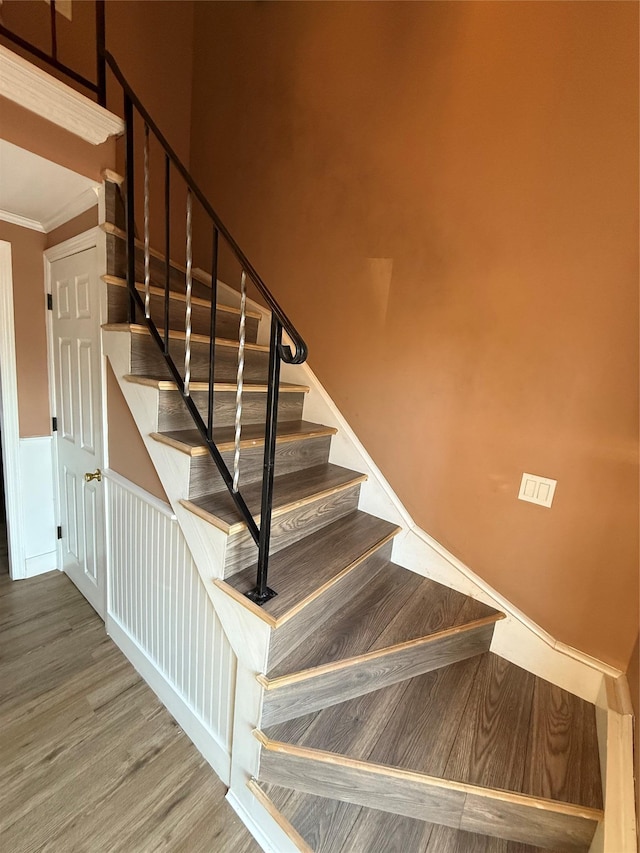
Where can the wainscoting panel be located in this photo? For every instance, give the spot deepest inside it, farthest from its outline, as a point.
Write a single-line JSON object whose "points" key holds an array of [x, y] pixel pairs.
{"points": [[161, 616], [38, 516]]}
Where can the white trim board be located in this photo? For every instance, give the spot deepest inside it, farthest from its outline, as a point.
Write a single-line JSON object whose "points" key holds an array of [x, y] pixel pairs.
{"points": [[614, 720], [35, 90], [21, 221], [9, 418], [516, 638]]}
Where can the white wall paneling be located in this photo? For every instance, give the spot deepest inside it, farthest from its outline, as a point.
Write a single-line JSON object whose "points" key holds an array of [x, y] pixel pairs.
{"points": [[9, 416], [39, 525], [159, 613]]}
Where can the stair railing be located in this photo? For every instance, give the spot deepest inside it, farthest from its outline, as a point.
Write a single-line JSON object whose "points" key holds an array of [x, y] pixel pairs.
{"points": [[99, 86], [294, 354]]}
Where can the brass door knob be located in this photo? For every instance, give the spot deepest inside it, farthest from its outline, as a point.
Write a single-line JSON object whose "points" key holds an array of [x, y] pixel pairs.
{"points": [[97, 475]]}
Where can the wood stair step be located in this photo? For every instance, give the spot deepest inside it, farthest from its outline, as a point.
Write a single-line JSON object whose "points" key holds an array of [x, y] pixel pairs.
{"points": [[177, 296], [479, 745], [299, 444], [148, 360], [173, 414], [189, 441], [249, 387], [303, 502], [289, 492], [320, 825], [117, 264], [227, 317], [315, 576], [399, 626]]}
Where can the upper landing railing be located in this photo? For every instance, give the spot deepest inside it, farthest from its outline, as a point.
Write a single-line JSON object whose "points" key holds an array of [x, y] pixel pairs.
{"points": [[98, 86], [176, 184]]}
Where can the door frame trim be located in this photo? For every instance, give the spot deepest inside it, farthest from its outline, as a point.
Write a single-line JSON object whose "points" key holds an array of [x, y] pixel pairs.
{"points": [[9, 418], [93, 238]]}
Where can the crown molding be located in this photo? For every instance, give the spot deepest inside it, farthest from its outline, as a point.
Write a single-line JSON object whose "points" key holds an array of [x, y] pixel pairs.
{"points": [[22, 221], [35, 90], [78, 205]]}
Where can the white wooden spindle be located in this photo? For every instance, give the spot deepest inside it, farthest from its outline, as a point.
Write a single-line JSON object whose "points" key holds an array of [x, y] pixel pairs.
{"points": [[241, 336], [147, 274], [187, 325]]}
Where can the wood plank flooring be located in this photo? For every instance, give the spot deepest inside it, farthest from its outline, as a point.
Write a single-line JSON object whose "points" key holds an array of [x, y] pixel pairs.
{"points": [[89, 758]]}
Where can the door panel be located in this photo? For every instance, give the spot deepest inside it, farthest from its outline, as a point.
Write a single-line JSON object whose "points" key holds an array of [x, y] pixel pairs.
{"points": [[76, 337]]}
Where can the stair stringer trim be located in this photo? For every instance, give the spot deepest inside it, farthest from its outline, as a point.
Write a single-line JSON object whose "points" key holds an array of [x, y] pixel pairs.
{"points": [[517, 638]]}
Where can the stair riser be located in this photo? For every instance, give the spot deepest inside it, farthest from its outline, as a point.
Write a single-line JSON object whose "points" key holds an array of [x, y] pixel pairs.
{"points": [[291, 526], [294, 631], [117, 265], [415, 797], [174, 415], [227, 324], [290, 456], [313, 694], [114, 205], [147, 360]]}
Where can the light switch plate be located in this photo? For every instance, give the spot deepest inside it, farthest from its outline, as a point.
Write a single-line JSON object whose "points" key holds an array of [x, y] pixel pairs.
{"points": [[537, 490]]}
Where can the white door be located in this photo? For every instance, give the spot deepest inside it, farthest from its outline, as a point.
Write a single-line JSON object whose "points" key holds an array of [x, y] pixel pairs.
{"points": [[78, 406]]}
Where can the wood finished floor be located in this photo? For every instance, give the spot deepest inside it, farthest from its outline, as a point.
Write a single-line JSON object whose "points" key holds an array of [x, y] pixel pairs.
{"points": [[90, 761]]}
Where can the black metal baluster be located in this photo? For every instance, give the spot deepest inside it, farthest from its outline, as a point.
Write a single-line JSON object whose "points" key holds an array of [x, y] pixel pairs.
{"points": [[262, 593], [54, 32], [130, 211], [212, 332], [101, 71], [167, 248]]}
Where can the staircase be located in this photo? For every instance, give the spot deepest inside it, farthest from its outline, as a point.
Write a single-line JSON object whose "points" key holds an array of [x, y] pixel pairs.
{"points": [[379, 719]]}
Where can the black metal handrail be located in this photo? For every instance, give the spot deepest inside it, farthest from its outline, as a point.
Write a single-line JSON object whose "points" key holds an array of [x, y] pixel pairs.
{"points": [[279, 323], [99, 86], [300, 354]]}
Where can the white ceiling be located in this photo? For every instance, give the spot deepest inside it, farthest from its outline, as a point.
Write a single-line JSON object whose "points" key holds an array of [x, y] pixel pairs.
{"points": [[39, 194]]}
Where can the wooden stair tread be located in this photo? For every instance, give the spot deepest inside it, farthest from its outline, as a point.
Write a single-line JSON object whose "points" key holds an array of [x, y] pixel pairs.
{"points": [[334, 826], [189, 441], [117, 281], [180, 335], [306, 568], [289, 490], [396, 607], [249, 388], [469, 723]]}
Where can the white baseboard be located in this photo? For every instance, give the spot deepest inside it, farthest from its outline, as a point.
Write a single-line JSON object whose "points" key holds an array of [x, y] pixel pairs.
{"points": [[203, 739], [40, 564]]}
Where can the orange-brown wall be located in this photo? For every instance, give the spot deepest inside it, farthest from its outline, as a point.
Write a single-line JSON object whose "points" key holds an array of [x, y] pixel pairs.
{"points": [[30, 330], [127, 453], [443, 197]]}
